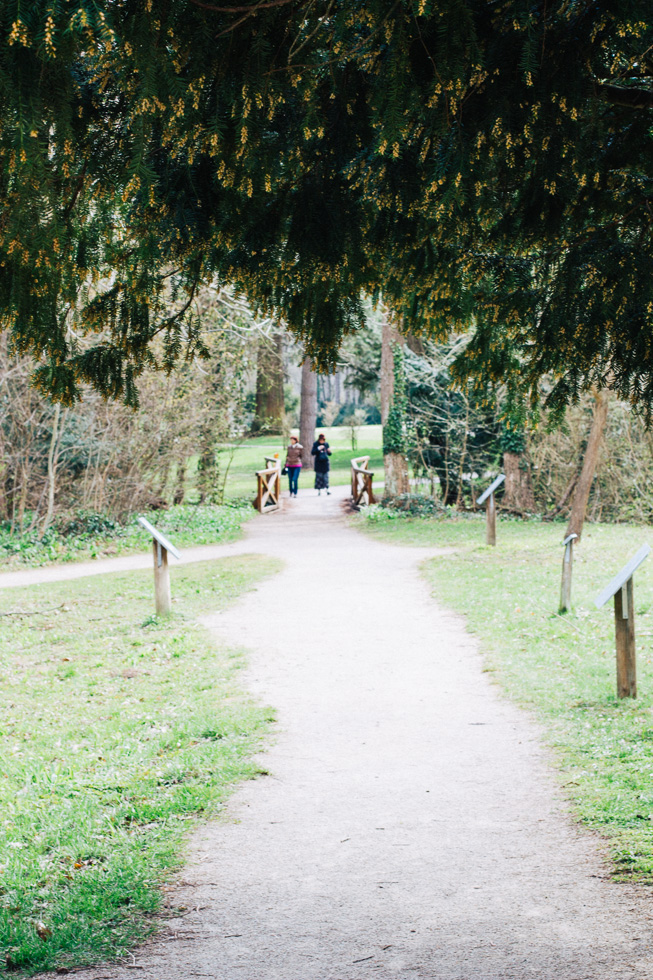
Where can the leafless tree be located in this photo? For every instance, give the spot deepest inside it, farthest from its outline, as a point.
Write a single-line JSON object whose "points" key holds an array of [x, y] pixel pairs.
{"points": [[105, 457]]}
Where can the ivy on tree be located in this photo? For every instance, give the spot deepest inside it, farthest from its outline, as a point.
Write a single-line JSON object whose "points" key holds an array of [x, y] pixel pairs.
{"points": [[394, 430]]}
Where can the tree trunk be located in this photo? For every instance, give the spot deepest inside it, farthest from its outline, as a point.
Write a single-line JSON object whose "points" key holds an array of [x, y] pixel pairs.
{"points": [[518, 495], [269, 385], [4, 482], [586, 478], [463, 457], [307, 411], [207, 464], [207, 471], [180, 483], [52, 468], [571, 486], [395, 465], [396, 474], [22, 501], [389, 335], [416, 344]]}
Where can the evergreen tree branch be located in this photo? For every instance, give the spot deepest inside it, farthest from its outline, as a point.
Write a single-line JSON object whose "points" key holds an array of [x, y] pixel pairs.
{"points": [[628, 97], [248, 9], [78, 187]]}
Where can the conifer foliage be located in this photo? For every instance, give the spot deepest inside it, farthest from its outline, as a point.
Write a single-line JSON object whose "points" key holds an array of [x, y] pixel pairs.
{"points": [[485, 162]]}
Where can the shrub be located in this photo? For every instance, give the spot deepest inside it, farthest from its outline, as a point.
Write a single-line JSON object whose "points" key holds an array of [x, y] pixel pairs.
{"points": [[414, 505], [89, 524]]}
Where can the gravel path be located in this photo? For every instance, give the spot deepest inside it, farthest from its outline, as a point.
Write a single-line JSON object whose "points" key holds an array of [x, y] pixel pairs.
{"points": [[124, 563], [410, 826]]}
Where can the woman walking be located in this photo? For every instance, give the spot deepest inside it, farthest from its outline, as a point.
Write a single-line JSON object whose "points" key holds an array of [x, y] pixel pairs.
{"points": [[321, 452], [293, 464]]}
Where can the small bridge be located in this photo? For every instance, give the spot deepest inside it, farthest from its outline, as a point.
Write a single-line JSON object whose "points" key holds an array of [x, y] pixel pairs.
{"points": [[361, 482], [268, 486]]}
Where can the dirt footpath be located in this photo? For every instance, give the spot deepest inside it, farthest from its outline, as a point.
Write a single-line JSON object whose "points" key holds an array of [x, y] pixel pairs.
{"points": [[103, 566], [410, 826]]}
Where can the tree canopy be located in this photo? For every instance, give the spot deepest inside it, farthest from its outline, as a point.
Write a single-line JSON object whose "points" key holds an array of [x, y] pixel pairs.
{"points": [[484, 164]]}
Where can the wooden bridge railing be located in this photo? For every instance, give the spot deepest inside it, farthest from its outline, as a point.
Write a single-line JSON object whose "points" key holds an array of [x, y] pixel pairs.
{"points": [[621, 588], [268, 486], [487, 498], [361, 482]]}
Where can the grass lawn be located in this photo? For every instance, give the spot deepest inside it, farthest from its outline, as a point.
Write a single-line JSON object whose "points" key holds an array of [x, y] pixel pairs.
{"points": [[561, 667], [98, 537], [249, 457], [117, 731]]}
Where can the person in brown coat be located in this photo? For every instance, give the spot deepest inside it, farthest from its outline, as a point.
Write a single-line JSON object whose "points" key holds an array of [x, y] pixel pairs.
{"points": [[293, 464]]}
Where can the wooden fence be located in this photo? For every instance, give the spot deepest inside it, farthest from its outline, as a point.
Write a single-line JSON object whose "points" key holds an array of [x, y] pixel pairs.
{"points": [[361, 482], [268, 486], [621, 589]]}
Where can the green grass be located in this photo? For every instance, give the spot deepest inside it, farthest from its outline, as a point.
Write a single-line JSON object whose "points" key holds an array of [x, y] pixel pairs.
{"points": [[95, 536], [560, 667], [249, 457], [117, 731]]}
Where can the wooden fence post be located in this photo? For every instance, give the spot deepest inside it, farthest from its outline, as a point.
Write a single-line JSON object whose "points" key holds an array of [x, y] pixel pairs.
{"points": [[624, 627], [621, 588], [487, 498], [361, 481], [567, 563], [160, 548], [162, 598], [490, 521], [268, 486]]}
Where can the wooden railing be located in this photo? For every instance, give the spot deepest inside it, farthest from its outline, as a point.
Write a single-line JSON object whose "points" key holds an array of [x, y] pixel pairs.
{"points": [[268, 486], [361, 482]]}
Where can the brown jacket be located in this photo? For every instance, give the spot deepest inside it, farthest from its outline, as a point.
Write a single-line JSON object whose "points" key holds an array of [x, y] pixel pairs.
{"points": [[294, 455]]}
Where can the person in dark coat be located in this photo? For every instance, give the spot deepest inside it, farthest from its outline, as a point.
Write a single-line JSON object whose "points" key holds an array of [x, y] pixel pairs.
{"points": [[321, 452]]}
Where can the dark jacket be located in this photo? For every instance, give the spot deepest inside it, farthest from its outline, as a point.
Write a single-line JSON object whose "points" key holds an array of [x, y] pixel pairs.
{"points": [[321, 452]]}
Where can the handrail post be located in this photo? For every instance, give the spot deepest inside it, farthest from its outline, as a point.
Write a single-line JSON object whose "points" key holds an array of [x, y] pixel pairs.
{"points": [[622, 590], [624, 627], [490, 521], [162, 598], [490, 510], [567, 565], [160, 548]]}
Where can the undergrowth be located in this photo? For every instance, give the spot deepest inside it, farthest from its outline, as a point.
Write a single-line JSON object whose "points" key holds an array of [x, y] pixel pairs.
{"points": [[74, 537]]}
